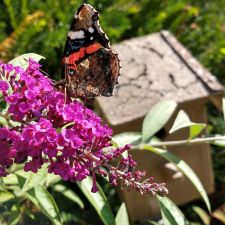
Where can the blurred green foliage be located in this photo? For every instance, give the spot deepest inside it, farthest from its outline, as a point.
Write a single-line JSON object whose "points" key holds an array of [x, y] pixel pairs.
{"points": [[41, 26]]}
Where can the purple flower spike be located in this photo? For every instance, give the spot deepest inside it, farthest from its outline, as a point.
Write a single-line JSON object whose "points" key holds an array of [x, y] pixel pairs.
{"points": [[63, 134]]}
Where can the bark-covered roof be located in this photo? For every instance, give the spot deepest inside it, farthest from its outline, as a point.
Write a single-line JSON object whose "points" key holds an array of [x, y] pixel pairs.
{"points": [[155, 67]]}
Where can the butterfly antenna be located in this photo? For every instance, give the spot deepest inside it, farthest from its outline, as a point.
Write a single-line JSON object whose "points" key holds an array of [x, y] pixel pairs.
{"points": [[65, 95], [66, 71], [40, 70], [45, 73]]}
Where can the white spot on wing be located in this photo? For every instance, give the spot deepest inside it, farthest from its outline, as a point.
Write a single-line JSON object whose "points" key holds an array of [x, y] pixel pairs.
{"points": [[91, 38], [76, 34], [91, 29]]}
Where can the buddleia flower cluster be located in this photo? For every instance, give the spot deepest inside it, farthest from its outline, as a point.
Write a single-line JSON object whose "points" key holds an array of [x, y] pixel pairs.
{"points": [[40, 125]]}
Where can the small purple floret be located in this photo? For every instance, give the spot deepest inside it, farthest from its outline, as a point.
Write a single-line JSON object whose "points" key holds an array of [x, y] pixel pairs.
{"points": [[4, 86]]}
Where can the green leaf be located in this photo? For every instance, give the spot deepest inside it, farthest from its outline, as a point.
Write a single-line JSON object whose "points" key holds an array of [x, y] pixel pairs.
{"points": [[48, 204], [171, 214], [21, 181], [157, 117], [10, 179], [127, 138], [15, 215], [5, 196], [221, 142], [223, 103], [52, 179], [45, 202], [30, 194], [35, 179], [3, 104], [184, 168], [114, 143], [154, 140], [29, 213], [222, 50], [152, 222], [98, 201], [122, 216], [22, 60], [202, 214], [15, 123], [71, 218], [3, 121], [68, 194], [28, 180], [183, 121]]}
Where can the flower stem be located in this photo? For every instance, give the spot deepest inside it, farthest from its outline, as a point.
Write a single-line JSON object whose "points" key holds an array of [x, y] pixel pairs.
{"points": [[184, 142]]}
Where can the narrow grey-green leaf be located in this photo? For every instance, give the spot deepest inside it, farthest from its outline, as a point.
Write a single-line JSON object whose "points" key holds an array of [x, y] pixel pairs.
{"points": [[127, 138], [3, 121], [171, 214], [157, 117], [14, 123], [154, 140], [98, 201], [29, 213], [114, 143], [202, 214], [71, 218], [21, 181], [15, 215], [30, 194], [152, 222], [34, 198], [5, 196], [22, 60], [182, 120], [10, 179], [184, 168], [52, 179], [221, 142], [68, 193], [3, 105], [35, 179], [47, 204], [122, 216]]}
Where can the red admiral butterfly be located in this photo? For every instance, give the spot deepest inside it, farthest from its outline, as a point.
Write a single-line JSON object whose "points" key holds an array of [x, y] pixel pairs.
{"points": [[90, 67]]}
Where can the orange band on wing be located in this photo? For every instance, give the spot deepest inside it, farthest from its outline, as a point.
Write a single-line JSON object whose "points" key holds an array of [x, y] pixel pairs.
{"points": [[93, 48], [76, 56]]}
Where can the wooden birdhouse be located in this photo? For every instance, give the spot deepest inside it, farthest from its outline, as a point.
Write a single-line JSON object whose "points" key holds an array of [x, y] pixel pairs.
{"points": [[157, 67]]}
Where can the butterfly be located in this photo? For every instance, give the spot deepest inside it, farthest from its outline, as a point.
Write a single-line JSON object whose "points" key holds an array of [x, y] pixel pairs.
{"points": [[90, 67]]}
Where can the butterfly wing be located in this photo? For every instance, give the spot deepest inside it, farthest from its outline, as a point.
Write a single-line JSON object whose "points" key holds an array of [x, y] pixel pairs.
{"points": [[89, 66], [84, 38], [97, 75]]}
